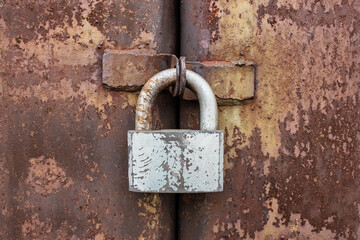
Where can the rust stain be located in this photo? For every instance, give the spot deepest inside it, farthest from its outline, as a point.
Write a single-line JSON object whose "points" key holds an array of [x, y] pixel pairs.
{"points": [[4, 182], [294, 229], [213, 21], [311, 160], [151, 204], [35, 228], [310, 14], [45, 176], [137, 27], [66, 231]]}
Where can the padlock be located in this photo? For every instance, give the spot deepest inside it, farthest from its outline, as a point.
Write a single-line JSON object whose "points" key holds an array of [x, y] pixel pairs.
{"points": [[176, 161]]}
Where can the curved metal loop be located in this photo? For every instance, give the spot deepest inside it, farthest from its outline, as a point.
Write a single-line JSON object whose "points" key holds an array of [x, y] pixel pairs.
{"points": [[182, 77], [178, 88], [175, 88], [166, 78]]}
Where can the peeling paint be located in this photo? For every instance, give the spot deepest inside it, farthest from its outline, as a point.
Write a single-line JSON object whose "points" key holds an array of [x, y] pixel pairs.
{"points": [[151, 204], [35, 228], [45, 176], [296, 228]]}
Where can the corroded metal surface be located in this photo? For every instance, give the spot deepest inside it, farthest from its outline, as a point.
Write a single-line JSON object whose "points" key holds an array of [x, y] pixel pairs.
{"points": [[231, 81], [129, 70], [291, 153], [63, 157]]}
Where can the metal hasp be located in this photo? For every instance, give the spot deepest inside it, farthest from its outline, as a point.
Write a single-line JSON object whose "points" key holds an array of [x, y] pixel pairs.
{"points": [[125, 70], [176, 161], [231, 81]]}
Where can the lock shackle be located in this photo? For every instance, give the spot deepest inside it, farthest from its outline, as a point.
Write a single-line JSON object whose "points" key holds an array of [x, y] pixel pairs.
{"points": [[166, 78]]}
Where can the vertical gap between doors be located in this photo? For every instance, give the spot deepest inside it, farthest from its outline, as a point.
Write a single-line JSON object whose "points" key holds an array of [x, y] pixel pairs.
{"points": [[178, 109]]}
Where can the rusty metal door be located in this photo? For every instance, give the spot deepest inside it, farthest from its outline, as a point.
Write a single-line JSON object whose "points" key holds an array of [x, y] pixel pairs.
{"points": [[63, 147], [291, 147], [292, 167]]}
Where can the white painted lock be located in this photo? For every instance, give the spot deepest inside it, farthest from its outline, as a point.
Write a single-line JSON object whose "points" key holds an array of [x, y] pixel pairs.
{"points": [[176, 161]]}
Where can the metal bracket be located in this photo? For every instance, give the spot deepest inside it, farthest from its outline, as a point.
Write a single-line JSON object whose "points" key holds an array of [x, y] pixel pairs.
{"points": [[130, 69], [231, 81]]}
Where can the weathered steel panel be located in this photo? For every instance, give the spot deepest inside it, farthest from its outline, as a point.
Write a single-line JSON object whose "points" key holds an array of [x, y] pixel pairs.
{"points": [[63, 148], [291, 153], [179, 161]]}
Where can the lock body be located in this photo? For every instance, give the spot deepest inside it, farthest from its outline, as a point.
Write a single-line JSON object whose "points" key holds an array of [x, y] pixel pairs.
{"points": [[176, 161]]}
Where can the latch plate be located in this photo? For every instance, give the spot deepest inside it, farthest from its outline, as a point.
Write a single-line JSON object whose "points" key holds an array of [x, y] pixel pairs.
{"points": [[231, 82], [128, 70]]}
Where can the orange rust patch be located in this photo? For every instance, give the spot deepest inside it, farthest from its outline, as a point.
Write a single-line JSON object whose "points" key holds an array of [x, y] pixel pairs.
{"points": [[35, 228], [46, 177]]}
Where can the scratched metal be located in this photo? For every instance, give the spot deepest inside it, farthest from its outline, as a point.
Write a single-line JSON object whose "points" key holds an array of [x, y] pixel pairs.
{"points": [[292, 167], [176, 161], [63, 136]]}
